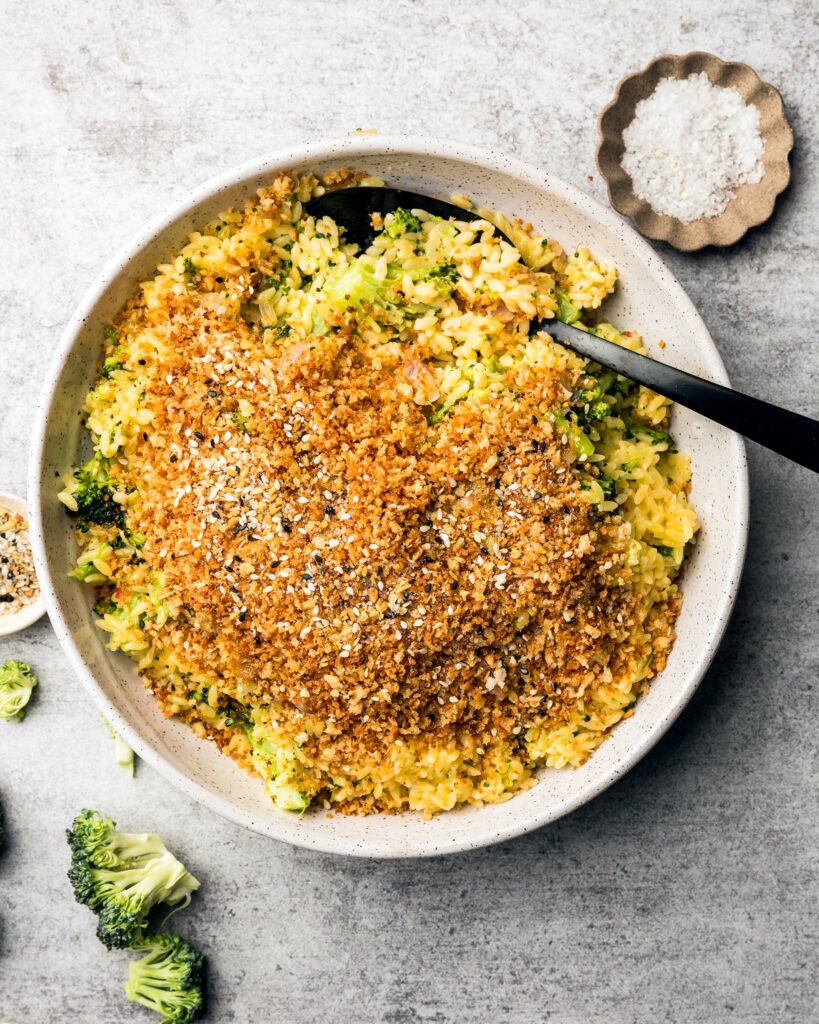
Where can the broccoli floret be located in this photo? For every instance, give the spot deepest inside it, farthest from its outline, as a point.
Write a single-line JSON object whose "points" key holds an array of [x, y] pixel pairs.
{"points": [[168, 978], [599, 410], [16, 684], [122, 876], [94, 495], [401, 222]]}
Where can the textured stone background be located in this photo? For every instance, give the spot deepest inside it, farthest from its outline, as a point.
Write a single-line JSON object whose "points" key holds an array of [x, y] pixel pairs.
{"points": [[687, 893]]}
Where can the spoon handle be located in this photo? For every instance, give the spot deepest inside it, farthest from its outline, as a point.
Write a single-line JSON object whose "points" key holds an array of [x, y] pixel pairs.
{"points": [[788, 433]]}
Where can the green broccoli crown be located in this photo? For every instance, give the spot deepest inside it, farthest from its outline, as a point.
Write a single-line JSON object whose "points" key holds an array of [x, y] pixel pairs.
{"points": [[16, 684], [168, 979], [599, 410], [401, 222], [95, 496], [121, 876]]}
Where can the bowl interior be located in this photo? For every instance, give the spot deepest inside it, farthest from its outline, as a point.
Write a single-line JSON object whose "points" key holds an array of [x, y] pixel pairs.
{"points": [[648, 300]]}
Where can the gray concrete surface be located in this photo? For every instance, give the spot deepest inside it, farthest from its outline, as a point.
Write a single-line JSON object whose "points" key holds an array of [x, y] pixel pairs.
{"points": [[685, 894]]}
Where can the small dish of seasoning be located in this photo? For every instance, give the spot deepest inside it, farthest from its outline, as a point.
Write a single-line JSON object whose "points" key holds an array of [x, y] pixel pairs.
{"points": [[21, 602], [695, 150]]}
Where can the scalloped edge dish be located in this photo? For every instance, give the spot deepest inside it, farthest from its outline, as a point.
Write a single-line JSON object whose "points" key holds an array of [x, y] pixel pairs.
{"points": [[754, 203]]}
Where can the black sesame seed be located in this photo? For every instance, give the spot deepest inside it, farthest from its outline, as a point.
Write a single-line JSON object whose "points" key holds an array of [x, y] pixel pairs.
{"points": [[319, 559], [329, 511], [453, 585], [211, 393], [306, 576], [199, 435], [427, 588], [242, 616], [173, 458], [275, 563]]}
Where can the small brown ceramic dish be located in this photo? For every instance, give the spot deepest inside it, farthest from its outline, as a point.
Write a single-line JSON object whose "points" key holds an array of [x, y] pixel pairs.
{"points": [[753, 204]]}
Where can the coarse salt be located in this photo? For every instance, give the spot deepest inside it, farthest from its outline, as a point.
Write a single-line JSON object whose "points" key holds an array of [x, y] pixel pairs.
{"points": [[690, 145]]}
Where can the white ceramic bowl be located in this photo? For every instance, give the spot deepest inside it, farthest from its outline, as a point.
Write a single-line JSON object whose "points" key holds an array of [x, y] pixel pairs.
{"points": [[649, 300], [31, 612]]}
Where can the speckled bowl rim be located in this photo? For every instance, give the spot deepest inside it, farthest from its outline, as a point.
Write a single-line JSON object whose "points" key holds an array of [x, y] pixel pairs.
{"points": [[753, 205], [474, 835]]}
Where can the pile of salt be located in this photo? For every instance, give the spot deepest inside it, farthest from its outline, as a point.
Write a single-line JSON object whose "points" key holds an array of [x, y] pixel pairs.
{"points": [[690, 145]]}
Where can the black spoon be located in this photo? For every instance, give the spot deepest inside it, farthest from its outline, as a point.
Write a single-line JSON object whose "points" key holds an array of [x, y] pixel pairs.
{"points": [[788, 433]]}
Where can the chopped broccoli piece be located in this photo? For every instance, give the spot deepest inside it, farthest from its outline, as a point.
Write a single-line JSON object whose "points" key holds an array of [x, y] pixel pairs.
{"points": [[111, 334], [16, 684], [566, 310], [82, 572], [123, 755], [590, 401], [666, 552], [94, 495], [277, 280], [357, 285], [282, 785], [657, 436], [599, 410], [122, 876], [239, 421], [444, 273], [189, 268], [168, 978], [581, 441], [109, 366], [609, 488], [401, 222]]}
